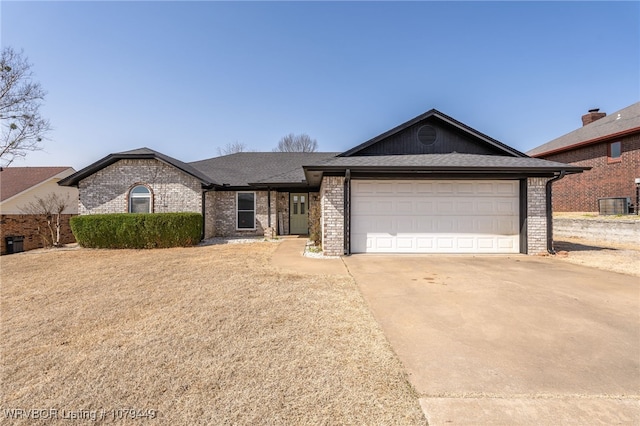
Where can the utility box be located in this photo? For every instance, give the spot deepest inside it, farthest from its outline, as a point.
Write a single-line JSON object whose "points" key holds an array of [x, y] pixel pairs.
{"points": [[614, 205], [14, 244]]}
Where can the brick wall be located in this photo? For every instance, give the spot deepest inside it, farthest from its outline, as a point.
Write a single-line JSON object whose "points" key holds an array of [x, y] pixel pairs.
{"points": [[224, 214], [107, 190], [332, 206], [31, 228], [209, 214], [536, 215], [581, 192]]}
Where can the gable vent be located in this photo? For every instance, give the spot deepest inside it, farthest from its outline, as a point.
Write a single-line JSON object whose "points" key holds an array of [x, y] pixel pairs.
{"points": [[427, 135]]}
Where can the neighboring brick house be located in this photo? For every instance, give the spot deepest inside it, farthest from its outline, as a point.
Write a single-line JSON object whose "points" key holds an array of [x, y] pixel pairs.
{"points": [[20, 186], [430, 185], [610, 146]]}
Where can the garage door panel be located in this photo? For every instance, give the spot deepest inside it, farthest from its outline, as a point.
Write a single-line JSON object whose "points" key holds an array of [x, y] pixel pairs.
{"points": [[486, 243], [425, 244], [404, 188], [405, 243], [406, 225], [466, 243], [404, 207], [467, 225], [383, 242], [383, 207], [505, 243], [424, 207], [435, 216], [507, 189], [424, 187], [423, 224], [445, 243]]}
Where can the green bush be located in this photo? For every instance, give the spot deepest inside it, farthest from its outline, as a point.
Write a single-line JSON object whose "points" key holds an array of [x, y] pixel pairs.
{"points": [[137, 231]]}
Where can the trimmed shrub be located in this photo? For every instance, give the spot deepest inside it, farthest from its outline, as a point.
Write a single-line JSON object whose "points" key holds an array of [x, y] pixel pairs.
{"points": [[137, 231]]}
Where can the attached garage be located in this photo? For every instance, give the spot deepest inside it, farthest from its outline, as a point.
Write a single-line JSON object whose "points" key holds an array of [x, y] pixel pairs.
{"points": [[435, 216], [435, 185]]}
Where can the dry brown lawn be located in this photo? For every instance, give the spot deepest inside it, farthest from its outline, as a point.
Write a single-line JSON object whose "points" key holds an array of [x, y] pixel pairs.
{"points": [[616, 257], [203, 335]]}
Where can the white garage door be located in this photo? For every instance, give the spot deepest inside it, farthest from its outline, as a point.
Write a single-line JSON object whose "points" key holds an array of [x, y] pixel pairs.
{"points": [[434, 216]]}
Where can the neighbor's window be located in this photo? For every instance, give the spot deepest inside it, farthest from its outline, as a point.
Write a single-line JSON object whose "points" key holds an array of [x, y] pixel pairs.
{"points": [[246, 216], [140, 199], [615, 152]]}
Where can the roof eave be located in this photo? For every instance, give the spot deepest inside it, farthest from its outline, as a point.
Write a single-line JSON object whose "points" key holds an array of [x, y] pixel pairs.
{"points": [[587, 142], [75, 178], [448, 169]]}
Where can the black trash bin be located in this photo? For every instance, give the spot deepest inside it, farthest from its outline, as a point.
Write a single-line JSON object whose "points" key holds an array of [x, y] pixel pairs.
{"points": [[14, 244]]}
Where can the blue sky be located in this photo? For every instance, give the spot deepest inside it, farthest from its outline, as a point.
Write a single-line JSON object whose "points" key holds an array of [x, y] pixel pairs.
{"points": [[185, 78]]}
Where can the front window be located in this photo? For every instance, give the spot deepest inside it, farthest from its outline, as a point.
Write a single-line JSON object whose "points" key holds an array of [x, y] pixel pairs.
{"points": [[140, 199], [246, 210], [615, 152]]}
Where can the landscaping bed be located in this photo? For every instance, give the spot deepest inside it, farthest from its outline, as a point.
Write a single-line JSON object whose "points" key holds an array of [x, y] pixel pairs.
{"points": [[202, 335]]}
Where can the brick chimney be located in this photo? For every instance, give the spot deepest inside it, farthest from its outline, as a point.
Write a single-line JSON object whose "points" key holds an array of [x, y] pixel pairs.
{"points": [[592, 116]]}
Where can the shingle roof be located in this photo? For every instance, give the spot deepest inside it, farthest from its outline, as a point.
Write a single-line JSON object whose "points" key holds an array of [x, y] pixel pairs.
{"points": [[620, 122], [14, 180], [243, 168], [454, 161], [140, 153]]}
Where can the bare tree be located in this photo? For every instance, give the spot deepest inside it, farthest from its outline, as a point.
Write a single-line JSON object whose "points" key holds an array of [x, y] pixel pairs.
{"points": [[232, 148], [49, 208], [20, 97], [297, 143]]}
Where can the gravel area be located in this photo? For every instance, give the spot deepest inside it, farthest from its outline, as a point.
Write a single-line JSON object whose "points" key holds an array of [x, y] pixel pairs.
{"points": [[235, 240], [315, 252], [622, 258]]}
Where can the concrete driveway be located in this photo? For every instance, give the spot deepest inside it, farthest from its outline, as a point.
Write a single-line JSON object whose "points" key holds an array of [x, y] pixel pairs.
{"points": [[509, 339]]}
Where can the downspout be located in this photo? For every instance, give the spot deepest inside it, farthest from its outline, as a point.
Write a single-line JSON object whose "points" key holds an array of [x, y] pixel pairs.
{"points": [[347, 212], [550, 211], [204, 212]]}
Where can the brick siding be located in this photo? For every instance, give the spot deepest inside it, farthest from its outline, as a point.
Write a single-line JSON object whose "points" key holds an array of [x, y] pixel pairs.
{"points": [[580, 192], [224, 214], [107, 190], [332, 206], [209, 214], [536, 216], [32, 227]]}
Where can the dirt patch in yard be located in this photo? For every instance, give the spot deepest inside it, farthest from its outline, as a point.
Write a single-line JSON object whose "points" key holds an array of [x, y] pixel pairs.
{"points": [[203, 335], [622, 258]]}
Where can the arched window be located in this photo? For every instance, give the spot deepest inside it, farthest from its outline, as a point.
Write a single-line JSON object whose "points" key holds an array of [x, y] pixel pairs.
{"points": [[140, 199]]}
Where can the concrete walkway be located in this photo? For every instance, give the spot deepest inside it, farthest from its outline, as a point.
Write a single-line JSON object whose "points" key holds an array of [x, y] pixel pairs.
{"points": [[289, 257]]}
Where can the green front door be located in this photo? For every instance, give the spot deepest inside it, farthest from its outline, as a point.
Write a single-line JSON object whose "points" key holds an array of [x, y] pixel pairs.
{"points": [[299, 213]]}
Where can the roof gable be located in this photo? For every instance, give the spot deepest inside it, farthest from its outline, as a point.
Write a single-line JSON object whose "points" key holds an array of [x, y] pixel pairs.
{"points": [[432, 133], [136, 154], [618, 124], [16, 180]]}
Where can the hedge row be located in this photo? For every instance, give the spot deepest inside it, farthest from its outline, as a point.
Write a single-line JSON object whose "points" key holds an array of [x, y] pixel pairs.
{"points": [[138, 231]]}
